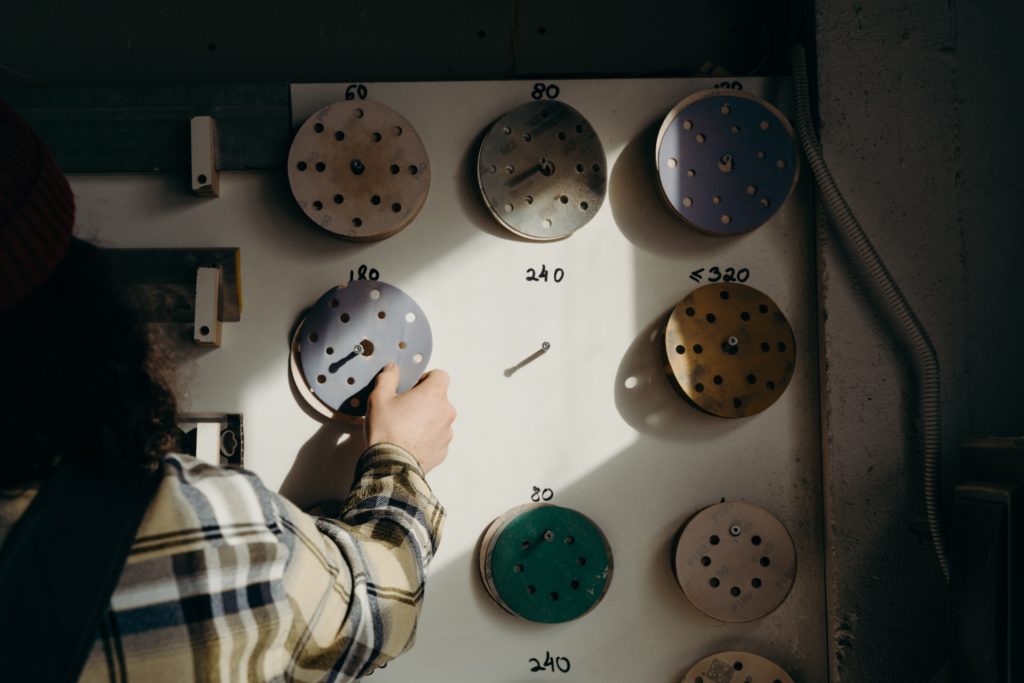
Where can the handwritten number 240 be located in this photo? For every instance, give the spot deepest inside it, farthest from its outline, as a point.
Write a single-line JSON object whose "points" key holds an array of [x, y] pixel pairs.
{"points": [[550, 663], [534, 275]]}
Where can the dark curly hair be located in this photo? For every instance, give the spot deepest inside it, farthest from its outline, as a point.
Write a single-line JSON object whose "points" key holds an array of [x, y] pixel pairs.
{"points": [[80, 380]]}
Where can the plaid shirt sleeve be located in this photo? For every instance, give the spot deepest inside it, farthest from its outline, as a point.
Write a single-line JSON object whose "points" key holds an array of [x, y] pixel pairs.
{"points": [[228, 581]]}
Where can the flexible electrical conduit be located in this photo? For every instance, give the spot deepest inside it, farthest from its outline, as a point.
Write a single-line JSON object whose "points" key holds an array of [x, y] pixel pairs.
{"points": [[928, 362]]}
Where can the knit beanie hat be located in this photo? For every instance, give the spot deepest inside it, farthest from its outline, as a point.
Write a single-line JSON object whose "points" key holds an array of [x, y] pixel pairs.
{"points": [[37, 210]]}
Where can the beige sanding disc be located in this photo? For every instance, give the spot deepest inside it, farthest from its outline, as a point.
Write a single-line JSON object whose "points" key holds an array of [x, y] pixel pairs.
{"points": [[729, 350], [735, 561], [359, 170], [736, 667]]}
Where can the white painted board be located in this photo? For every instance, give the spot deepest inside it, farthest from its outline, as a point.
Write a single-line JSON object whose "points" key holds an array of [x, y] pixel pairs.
{"points": [[638, 461]]}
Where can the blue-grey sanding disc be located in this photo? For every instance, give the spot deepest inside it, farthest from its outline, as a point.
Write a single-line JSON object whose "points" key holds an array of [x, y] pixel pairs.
{"points": [[351, 333], [727, 161]]}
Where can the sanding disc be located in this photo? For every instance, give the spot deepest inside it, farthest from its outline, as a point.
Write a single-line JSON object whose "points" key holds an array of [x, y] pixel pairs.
{"points": [[735, 561], [359, 170], [542, 171], [352, 332], [729, 350], [303, 389], [736, 667], [545, 563], [726, 161]]}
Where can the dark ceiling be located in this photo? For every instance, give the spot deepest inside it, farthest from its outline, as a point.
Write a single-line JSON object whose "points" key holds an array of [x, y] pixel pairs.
{"points": [[47, 42]]}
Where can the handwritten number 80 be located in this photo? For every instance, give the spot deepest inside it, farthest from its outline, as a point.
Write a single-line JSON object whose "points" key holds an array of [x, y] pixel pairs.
{"points": [[542, 90]]}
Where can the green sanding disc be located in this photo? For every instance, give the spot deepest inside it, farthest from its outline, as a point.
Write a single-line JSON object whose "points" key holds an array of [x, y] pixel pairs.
{"points": [[546, 563]]}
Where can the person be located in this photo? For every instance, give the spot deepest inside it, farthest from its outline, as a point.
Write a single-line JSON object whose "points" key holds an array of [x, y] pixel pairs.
{"points": [[225, 579]]}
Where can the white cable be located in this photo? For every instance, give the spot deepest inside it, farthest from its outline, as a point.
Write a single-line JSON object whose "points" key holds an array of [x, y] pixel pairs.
{"points": [[928, 362]]}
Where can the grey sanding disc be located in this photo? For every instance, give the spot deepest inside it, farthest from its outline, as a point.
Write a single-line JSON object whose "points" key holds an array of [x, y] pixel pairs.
{"points": [[541, 170]]}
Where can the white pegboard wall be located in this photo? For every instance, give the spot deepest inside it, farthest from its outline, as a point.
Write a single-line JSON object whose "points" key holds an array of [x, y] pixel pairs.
{"points": [[638, 461]]}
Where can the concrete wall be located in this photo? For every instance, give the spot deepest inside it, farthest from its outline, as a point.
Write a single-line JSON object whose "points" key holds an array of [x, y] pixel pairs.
{"points": [[917, 103], [990, 107]]}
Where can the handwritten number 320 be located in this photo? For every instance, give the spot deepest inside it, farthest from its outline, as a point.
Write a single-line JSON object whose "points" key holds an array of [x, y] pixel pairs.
{"points": [[715, 274]]}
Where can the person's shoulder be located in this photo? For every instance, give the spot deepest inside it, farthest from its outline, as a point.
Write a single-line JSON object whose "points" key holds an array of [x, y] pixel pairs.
{"points": [[191, 470], [217, 504]]}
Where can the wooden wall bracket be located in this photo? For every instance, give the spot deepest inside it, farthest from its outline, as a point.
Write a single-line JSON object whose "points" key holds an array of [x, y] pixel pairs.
{"points": [[200, 287], [205, 177]]}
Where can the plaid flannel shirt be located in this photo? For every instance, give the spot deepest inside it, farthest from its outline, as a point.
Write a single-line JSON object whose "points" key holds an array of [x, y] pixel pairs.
{"points": [[228, 581]]}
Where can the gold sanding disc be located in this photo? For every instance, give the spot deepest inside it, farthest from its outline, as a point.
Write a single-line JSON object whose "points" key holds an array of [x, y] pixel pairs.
{"points": [[736, 667], [735, 561], [730, 350], [359, 169]]}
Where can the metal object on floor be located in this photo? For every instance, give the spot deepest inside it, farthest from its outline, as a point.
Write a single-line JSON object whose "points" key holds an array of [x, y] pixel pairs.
{"points": [[987, 562], [729, 350], [359, 170], [736, 667], [545, 563], [726, 161], [735, 561], [348, 336], [542, 170]]}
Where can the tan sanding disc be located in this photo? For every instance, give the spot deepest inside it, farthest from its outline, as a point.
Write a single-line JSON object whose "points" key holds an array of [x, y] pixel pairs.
{"points": [[729, 349], [736, 667], [359, 169], [735, 561]]}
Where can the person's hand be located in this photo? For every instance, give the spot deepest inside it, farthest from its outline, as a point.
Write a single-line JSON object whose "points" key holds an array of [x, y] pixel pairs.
{"points": [[420, 420]]}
